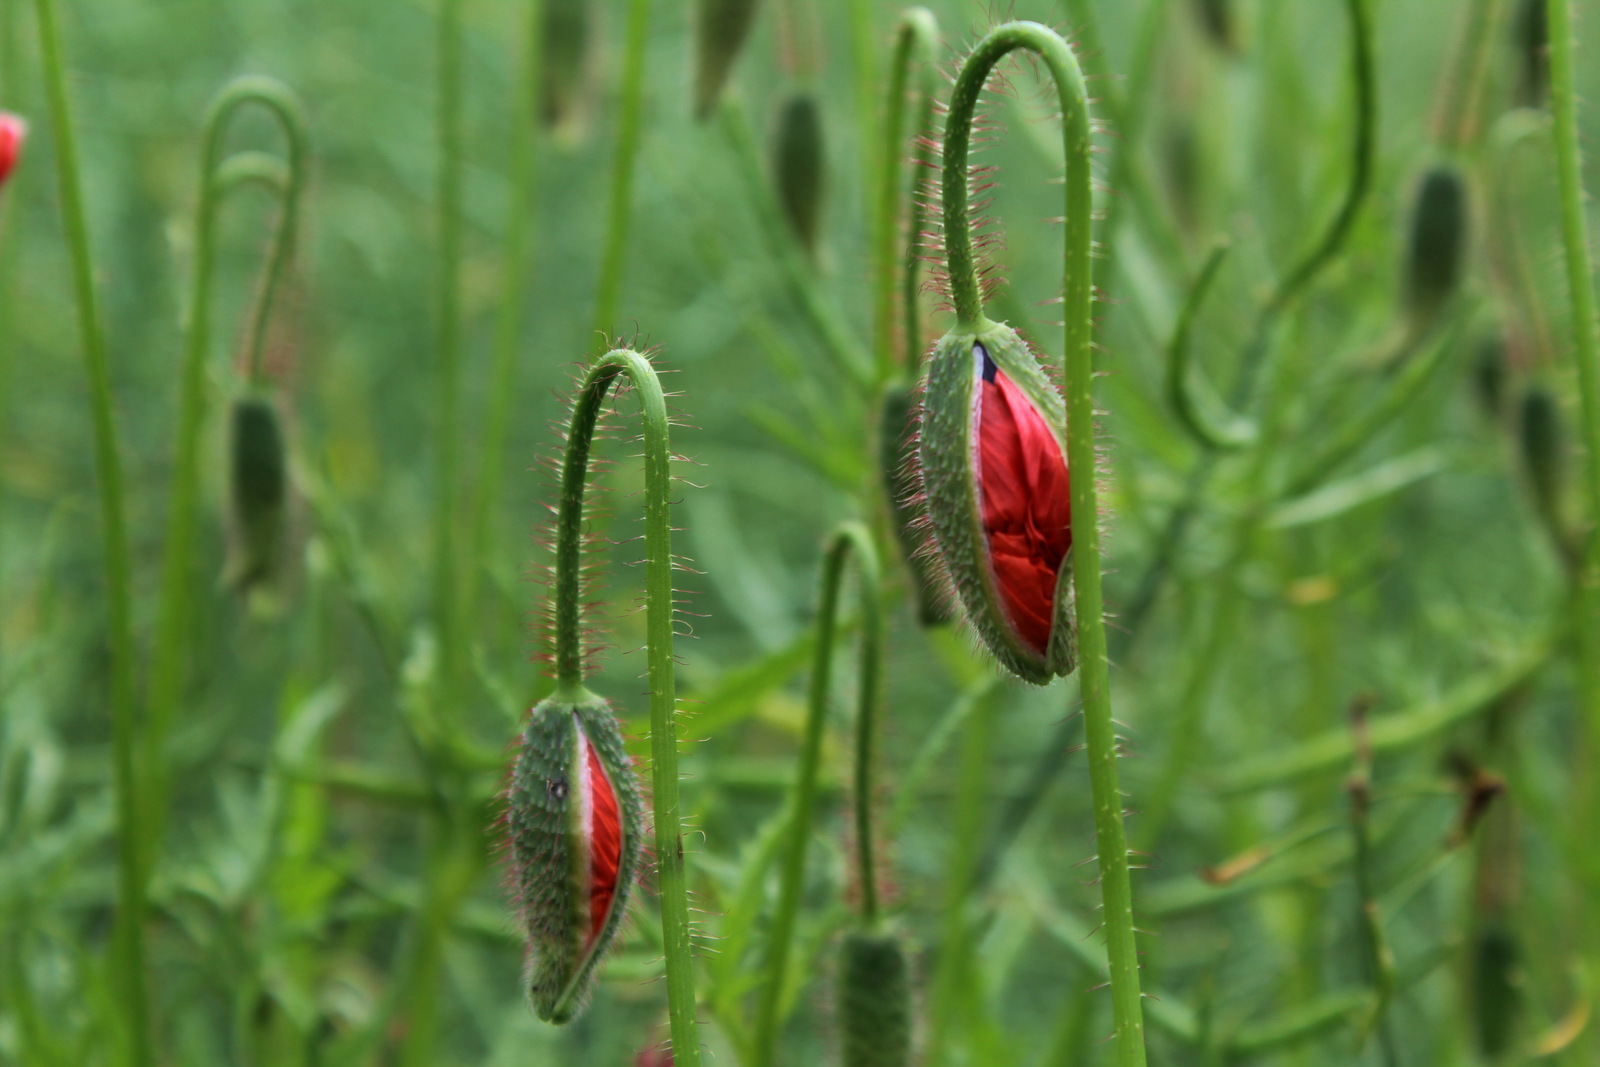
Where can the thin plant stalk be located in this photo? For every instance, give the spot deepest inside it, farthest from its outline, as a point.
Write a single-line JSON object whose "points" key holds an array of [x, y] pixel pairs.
{"points": [[128, 934], [623, 166], [671, 876], [217, 178], [1099, 729], [447, 357], [851, 537], [1586, 355]]}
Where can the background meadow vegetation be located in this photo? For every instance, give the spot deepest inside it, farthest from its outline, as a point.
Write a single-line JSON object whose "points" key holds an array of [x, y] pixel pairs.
{"points": [[325, 890]]}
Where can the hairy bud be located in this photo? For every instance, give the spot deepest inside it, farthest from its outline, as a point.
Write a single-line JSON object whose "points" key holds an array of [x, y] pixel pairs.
{"points": [[797, 166], [720, 29], [993, 458], [1438, 242], [259, 492], [874, 1001], [13, 131], [574, 826]]}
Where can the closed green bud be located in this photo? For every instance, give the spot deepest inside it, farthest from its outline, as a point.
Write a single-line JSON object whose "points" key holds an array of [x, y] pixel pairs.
{"points": [[874, 1001], [720, 29], [563, 52], [574, 829], [1438, 243], [992, 452], [906, 510], [798, 166], [1495, 989], [1531, 39], [258, 494], [1543, 448]]}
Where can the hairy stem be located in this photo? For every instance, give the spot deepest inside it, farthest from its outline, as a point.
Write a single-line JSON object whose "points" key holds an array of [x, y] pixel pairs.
{"points": [[622, 171], [129, 931]]}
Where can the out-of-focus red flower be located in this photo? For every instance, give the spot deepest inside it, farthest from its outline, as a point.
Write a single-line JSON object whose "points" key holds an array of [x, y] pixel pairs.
{"points": [[605, 844], [1027, 508], [12, 132], [657, 1056]]}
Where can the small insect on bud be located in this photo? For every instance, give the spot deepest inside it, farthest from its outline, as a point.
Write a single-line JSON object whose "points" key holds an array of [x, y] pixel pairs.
{"points": [[574, 825], [992, 452], [905, 506], [563, 51], [13, 131], [720, 28], [797, 165], [259, 493], [874, 1001], [1438, 243]]}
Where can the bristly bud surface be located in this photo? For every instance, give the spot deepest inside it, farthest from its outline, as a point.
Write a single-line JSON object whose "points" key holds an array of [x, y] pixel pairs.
{"points": [[874, 1001], [13, 131], [574, 825], [993, 458]]}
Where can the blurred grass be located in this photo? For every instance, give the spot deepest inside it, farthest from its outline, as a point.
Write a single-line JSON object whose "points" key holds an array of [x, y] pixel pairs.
{"points": [[290, 878]]}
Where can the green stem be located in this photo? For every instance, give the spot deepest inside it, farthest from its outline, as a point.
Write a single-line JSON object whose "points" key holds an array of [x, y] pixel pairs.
{"points": [[916, 40], [129, 931], [447, 306], [1190, 394], [218, 177], [1100, 731], [670, 872], [1380, 958], [622, 170], [850, 537]]}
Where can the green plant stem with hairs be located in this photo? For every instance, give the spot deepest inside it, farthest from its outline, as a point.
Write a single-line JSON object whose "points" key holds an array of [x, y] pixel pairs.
{"points": [[128, 977], [1099, 729], [623, 165], [850, 538], [218, 177], [568, 647]]}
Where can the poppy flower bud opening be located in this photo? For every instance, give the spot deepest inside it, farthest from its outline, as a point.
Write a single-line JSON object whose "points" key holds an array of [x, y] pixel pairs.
{"points": [[574, 825], [995, 472], [13, 130]]}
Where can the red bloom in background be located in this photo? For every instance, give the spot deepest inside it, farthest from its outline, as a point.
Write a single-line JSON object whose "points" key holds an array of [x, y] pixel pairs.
{"points": [[604, 832], [12, 130], [1027, 509]]}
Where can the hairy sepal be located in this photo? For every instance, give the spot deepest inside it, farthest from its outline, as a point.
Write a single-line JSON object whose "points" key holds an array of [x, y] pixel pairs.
{"points": [[947, 456], [549, 855]]}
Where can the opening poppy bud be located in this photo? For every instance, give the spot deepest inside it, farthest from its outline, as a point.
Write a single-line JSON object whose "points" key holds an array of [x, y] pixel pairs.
{"points": [[1438, 243], [574, 828], [259, 493], [906, 510], [874, 1001], [720, 29], [13, 130], [797, 165], [993, 459]]}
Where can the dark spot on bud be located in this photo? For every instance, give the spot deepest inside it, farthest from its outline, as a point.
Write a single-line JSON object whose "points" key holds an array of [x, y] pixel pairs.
{"points": [[557, 788]]}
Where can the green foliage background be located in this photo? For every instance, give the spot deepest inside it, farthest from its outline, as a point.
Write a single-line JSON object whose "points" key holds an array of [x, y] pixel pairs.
{"points": [[307, 825]]}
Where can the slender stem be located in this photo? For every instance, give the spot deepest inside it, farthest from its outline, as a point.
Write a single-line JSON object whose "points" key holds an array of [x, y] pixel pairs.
{"points": [[1190, 396], [1100, 731], [850, 537], [447, 308], [129, 931], [622, 171], [217, 178], [916, 40], [670, 872], [1380, 958]]}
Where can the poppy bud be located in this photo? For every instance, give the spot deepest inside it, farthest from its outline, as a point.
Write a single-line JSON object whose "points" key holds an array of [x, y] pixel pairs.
{"points": [[1543, 448], [575, 829], [992, 452], [259, 492], [906, 510], [798, 167], [874, 1002], [1496, 988], [1438, 242], [720, 28], [564, 45], [12, 132], [1532, 42]]}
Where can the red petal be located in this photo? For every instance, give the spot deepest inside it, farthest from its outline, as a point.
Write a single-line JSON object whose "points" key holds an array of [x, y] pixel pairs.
{"points": [[605, 844], [1027, 507], [12, 130]]}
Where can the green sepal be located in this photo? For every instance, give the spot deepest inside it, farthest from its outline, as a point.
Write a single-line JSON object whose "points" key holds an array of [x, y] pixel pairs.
{"points": [[549, 858], [874, 1001], [946, 452], [907, 514]]}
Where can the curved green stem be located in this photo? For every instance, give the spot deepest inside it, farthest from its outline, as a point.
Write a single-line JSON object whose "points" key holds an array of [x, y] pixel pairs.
{"points": [[622, 170], [916, 41], [670, 872], [129, 932], [218, 177], [851, 537], [1100, 732], [1190, 394]]}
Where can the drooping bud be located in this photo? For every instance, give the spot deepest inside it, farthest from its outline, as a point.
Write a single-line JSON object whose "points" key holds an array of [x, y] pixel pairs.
{"points": [[1543, 456], [13, 131], [563, 52], [720, 28], [1531, 39], [906, 508], [874, 1001], [1438, 243], [258, 495], [575, 829], [993, 459], [797, 166]]}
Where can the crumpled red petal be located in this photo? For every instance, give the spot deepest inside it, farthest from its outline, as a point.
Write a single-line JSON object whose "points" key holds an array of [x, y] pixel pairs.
{"points": [[1027, 506], [605, 844]]}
